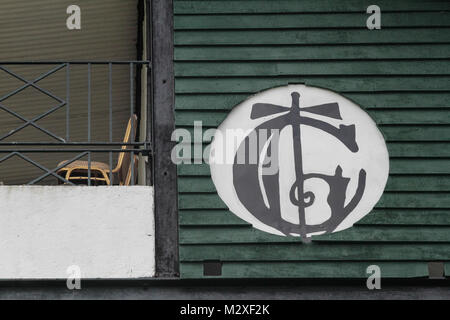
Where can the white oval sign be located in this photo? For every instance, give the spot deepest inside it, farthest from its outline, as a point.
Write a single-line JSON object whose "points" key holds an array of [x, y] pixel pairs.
{"points": [[299, 160]]}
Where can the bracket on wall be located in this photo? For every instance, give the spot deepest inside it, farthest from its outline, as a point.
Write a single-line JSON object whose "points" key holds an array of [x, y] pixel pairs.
{"points": [[212, 268], [436, 270]]}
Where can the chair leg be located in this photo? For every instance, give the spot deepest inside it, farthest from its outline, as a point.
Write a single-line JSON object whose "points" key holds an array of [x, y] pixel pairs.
{"points": [[105, 175], [68, 173]]}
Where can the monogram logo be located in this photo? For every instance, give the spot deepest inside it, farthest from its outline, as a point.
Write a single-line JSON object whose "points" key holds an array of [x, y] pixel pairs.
{"points": [[328, 162]]}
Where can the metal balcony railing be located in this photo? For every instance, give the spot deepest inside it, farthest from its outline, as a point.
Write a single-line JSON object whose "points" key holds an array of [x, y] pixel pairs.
{"points": [[12, 144]]}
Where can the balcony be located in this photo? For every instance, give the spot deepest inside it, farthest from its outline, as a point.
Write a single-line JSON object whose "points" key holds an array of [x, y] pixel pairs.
{"points": [[60, 115]]}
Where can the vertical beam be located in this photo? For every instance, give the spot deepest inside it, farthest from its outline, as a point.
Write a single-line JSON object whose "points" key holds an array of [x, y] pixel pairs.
{"points": [[164, 170], [149, 91], [139, 57]]}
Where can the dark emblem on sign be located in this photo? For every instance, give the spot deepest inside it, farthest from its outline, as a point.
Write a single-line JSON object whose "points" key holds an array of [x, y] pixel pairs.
{"points": [[246, 177]]}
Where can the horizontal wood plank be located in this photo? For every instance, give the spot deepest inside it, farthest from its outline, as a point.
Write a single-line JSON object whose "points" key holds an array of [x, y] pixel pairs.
{"points": [[372, 85], [380, 234], [312, 37], [317, 251], [310, 269], [398, 149], [308, 21], [396, 166], [388, 200], [419, 217], [431, 132], [313, 52], [395, 183], [305, 68], [283, 6], [388, 117], [226, 101]]}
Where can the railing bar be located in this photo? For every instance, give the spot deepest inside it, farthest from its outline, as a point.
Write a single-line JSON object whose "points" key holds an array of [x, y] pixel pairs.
{"points": [[71, 144], [12, 153], [12, 93], [110, 120], [36, 164], [31, 122], [48, 73], [46, 92], [41, 77], [110, 101], [53, 172], [30, 83], [89, 122], [71, 150], [89, 102], [74, 62], [89, 169], [133, 133], [132, 145], [46, 113], [67, 102]]}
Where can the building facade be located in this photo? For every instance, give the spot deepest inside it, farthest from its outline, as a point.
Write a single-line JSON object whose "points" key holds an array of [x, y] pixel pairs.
{"points": [[175, 64]]}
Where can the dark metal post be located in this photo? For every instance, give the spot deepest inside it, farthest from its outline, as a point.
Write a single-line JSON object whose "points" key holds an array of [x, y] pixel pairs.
{"points": [[67, 102], [133, 132], [110, 120], [149, 91], [89, 121], [165, 172]]}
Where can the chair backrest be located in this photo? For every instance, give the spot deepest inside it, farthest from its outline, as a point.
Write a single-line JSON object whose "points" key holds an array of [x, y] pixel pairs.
{"points": [[123, 168], [127, 180]]}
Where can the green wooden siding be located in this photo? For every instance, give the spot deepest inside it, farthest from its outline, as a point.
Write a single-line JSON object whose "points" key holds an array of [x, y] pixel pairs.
{"points": [[228, 50]]}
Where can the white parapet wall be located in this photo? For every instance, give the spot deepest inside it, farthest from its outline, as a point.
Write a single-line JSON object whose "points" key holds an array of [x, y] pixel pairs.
{"points": [[108, 232]]}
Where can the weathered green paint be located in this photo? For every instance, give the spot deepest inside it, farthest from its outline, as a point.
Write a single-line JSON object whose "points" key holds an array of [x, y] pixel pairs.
{"points": [[313, 52], [304, 6], [388, 200], [395, 183], [397, 166], [333, 269], [226, 51], [397, 149], [340, 251], [368, 99], [408, 217], [281, 37], [306, 68], [378, 234], [308, 21], [393, 132], [343, 84], [430, 116]]}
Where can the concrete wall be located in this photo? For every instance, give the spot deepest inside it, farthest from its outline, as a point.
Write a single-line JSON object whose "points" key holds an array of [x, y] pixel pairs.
{"points": [[107, 231]]}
